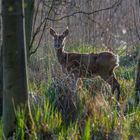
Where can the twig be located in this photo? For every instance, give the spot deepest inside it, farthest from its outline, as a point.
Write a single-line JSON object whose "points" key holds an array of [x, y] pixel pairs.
{"points": [[32, 52], [35, 15], [86, 13], [135, 24]]}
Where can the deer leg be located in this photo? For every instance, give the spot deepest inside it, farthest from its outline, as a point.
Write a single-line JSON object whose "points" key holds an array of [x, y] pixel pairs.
{"points": [[114, 85]]}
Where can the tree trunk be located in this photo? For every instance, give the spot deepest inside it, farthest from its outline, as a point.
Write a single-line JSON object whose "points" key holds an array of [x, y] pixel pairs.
{"points": [[1, 82], [14, 63], [137, 86], [29, 11], [1, 68]]}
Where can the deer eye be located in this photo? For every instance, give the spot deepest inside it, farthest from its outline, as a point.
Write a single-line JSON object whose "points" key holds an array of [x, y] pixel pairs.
{"points": [[60, 38]]}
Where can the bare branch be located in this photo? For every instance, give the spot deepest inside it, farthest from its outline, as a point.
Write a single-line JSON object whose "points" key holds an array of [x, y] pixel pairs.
{"points": [[38, 29], [135, 24], [35, 15], [117, 3]]}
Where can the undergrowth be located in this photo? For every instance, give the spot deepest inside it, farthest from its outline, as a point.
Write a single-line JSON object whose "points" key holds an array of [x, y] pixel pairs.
{"points": [[90, 112]]}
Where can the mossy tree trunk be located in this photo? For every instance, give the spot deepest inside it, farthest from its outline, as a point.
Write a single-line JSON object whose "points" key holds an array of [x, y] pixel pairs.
{"points": [[14, 63], [137, 86]]}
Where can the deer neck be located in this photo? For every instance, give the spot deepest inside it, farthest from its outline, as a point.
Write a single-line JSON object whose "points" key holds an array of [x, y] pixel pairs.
{"points": [[61, 55]]}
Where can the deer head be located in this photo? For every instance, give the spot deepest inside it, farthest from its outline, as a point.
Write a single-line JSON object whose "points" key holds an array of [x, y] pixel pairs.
{"points": [[59, 38]]}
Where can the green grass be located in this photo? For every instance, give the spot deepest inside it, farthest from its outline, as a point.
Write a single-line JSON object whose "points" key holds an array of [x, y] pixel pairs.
{"points": [[90, 113]]}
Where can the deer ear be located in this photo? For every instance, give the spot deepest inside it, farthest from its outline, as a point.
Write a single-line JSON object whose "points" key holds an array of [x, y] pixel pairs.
{"points": [[66, 32], [52, 32]]}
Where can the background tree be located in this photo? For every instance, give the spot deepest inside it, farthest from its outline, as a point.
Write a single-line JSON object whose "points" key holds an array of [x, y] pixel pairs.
{"points": [[137, 86], [29, 11], [1, 81], [14, 63]]}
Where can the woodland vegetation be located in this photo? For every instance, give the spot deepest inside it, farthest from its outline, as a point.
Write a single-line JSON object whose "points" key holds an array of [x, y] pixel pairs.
{"points": [[38, 100]]}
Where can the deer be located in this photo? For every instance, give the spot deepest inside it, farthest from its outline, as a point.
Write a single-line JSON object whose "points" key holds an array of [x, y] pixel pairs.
{"points": [[87, 65]]}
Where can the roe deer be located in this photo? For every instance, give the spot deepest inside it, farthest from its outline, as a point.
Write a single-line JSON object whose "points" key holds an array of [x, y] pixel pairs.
{"points": [[86, 65]]}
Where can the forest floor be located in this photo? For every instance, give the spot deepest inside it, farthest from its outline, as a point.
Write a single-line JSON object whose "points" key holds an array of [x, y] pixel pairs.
{"points": [[89, 113]]}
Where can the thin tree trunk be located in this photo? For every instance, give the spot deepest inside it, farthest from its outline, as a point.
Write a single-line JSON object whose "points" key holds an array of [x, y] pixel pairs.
{"points": [[1, 82], [14, 63], [137, 86], [29, 11]]}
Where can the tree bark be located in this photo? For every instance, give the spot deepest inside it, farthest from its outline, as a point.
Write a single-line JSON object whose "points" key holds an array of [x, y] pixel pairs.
{"points": [[137, 86], [1, 69], [29, 11], [1, 81], [14, 63]]}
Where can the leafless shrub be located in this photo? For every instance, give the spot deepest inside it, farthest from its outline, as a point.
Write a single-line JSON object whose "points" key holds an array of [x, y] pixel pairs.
{"points": [[66, 99]]}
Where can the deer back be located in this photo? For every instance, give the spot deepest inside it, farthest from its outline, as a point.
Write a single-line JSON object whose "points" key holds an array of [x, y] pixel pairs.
{"points": [[84, 65], [106, 62]]}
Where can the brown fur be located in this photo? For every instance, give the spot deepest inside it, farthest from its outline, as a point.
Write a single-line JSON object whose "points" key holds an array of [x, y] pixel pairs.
{"points": [[87, 65]]}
